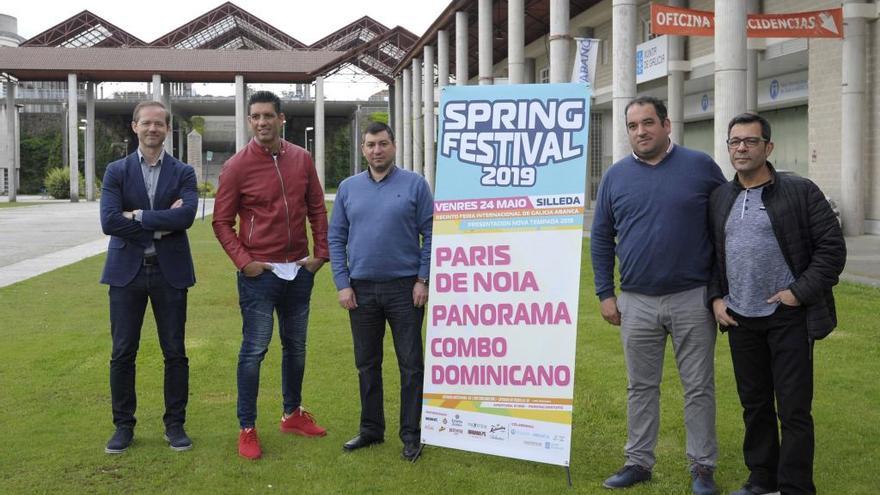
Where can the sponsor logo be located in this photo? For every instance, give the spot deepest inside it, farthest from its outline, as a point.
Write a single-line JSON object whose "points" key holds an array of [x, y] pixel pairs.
{"points": [[497, 428], [477, 425], [498, 432], [428, 427], [442, 428], [553, 446], [540, 435], [431, 418], [444, 421], [533, 444], [457, 422], [457, 431], [774, 89], [476, 433], [522, 425]]}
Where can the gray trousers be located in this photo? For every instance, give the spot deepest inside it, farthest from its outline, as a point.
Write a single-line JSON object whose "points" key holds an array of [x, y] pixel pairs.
{"points": [[645, 323]]}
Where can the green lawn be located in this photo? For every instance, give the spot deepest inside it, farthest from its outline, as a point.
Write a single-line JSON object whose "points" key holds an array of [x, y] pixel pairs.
{"points": [[55, 407]]}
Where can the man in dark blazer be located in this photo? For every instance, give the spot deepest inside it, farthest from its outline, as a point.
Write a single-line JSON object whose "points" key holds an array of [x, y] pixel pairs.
{"points": [[148, 200]]}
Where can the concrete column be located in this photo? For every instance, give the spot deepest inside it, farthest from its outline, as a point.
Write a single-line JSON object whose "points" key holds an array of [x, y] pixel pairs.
{"points": [[754, 7], [72, 137], [484, 41], [156, 87], [90, 141], [392, 96], [407, 120], [529, 69], [16, 149], [624, 30], [399, 95], [418, 136], [442, 58], [241, 134], [65, 134], [853, 118], [461, 48], [319, 129], [428, 112], [355, 143], [194, 155], [675, 82], [730, 73], [11, 141], [560, 39], [166, 100], [516, 21]]}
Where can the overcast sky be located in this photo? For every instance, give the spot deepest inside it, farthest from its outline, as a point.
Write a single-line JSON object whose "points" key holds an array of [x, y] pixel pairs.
{"points": [[307, 21]]}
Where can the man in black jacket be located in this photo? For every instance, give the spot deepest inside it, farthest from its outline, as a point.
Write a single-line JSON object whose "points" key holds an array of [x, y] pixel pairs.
{"points": [[779, 250]]}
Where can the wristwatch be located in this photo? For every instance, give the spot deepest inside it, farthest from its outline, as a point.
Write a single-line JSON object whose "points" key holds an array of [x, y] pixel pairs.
{"points": [[422, 280]]}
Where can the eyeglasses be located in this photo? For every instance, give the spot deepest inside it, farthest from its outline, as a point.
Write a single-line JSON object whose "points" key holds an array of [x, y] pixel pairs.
{"points": [[750, 142]]}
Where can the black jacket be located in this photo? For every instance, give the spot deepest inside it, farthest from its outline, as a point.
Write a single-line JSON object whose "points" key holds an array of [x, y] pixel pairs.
{"points": [[808, 234]]}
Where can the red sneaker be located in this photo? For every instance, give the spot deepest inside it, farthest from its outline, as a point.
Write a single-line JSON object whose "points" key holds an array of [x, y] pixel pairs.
{"points": [[301, 422], [249, 444]]}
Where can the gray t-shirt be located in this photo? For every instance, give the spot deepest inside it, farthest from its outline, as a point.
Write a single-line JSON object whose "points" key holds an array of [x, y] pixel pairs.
{"points": [[756, 268]]}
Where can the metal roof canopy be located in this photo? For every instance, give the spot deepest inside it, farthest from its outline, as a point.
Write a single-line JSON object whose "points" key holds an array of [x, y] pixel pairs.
{"points": [[214, 47], [139, 64]]}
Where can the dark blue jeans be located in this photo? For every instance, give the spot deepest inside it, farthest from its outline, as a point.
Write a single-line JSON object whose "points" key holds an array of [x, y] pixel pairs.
{"points": [[772, 363], [127, 307], [378, 302], [259, 297]]}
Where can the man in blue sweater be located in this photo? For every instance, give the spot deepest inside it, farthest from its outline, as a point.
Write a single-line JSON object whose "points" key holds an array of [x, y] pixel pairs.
{"points": [[652, 211], [380, 251]]}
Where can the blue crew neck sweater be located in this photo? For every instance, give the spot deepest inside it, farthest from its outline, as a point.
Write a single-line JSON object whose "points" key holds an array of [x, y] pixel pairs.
{"points": [[655, 218], [381, 230]]}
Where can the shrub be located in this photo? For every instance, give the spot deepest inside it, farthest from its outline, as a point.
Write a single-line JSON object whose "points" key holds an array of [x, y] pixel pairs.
{"points": [[57, 183], [206, 190]]}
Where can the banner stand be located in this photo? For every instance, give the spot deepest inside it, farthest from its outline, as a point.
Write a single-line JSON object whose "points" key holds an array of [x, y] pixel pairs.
{"points": [[568, 473], [418, 454], [502, 319]]}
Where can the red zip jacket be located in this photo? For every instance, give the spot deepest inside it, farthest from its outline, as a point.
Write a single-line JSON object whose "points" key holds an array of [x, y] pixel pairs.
{"points": [[271, 195]]}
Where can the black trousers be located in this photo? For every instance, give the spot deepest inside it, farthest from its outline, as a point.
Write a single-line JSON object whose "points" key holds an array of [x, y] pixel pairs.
{"points": [[127, 307], [772, 363], [378, 302]]}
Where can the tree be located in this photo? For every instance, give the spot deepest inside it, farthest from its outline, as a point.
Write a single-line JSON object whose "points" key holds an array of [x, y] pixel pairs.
{"points": [[338, 157], [38, 154], [379, 117]]}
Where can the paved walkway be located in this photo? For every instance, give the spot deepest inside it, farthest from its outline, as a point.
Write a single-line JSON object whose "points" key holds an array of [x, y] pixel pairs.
{"points": [[38, 238]]}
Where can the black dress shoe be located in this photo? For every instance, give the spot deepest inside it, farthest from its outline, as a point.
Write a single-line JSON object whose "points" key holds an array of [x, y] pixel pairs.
{"points": [[411, 451], [177, 438], [360, 442], [120, 441]]}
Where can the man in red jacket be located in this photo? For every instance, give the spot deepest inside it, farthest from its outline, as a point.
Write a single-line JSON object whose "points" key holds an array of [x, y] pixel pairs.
{"points": [[272, 186]]}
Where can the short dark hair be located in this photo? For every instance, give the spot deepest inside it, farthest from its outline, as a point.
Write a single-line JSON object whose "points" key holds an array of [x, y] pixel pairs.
{"points": [[659, 107], [376, 128], [265, 97], [749, 118], [137, 110]]}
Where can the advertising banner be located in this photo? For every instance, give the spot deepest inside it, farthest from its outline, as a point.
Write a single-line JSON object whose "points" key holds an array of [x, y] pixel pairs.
{"points": [[505, 270], [818, 24], [686, 22], [585, 55]]}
